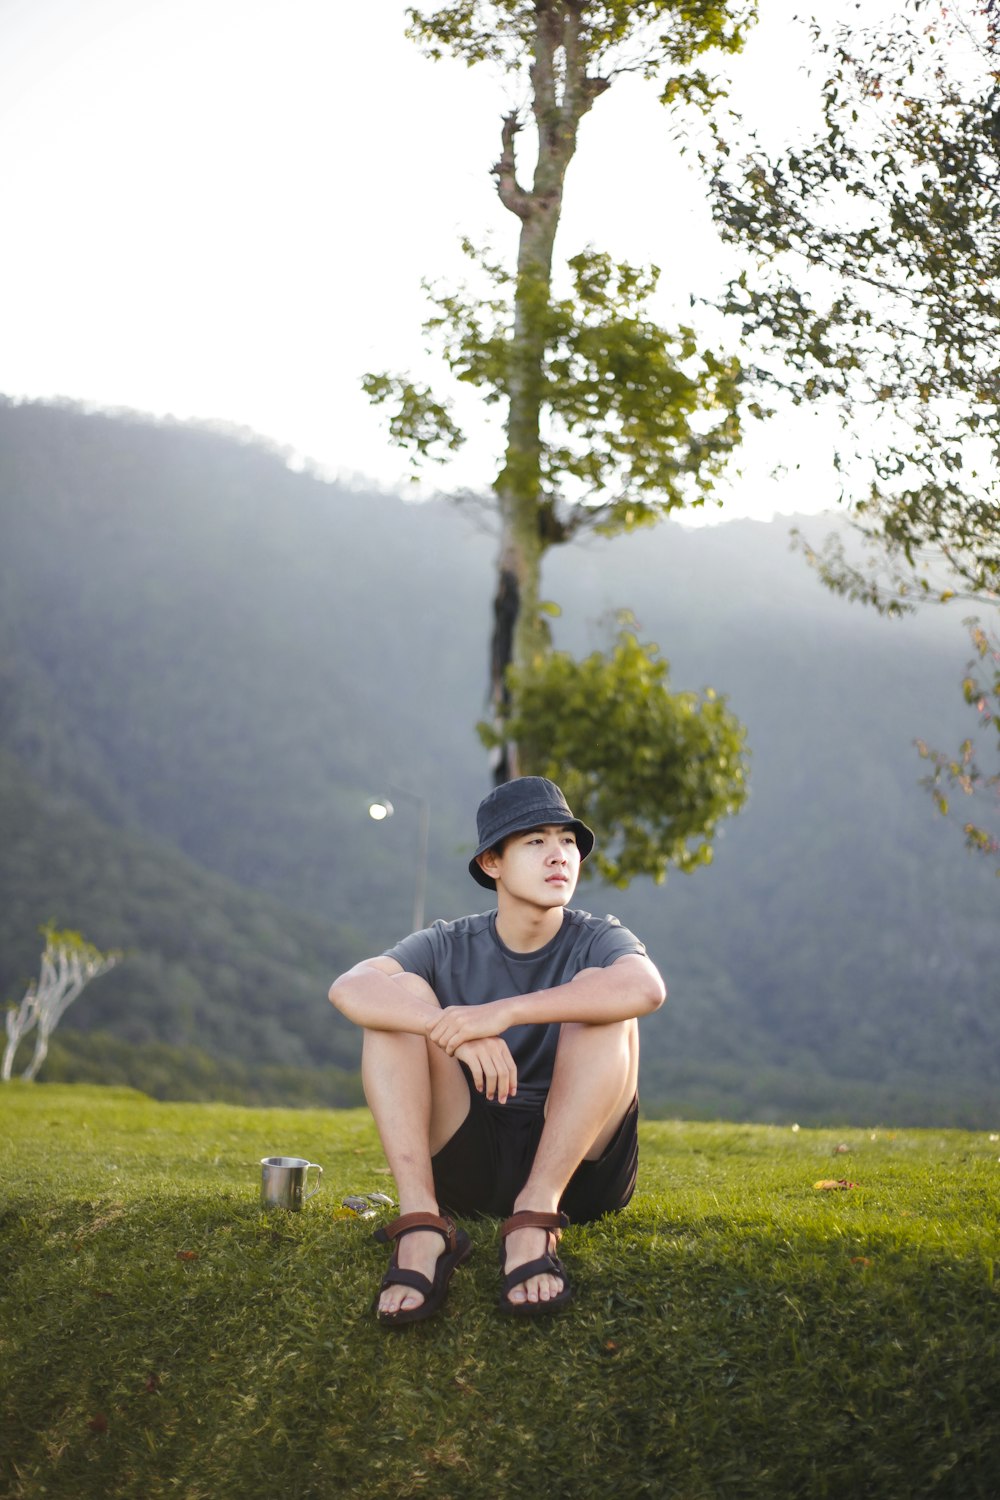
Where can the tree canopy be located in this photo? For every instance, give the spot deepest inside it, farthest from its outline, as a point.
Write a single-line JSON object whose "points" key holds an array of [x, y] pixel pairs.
{"points": [[874, 283], [662, 804]]}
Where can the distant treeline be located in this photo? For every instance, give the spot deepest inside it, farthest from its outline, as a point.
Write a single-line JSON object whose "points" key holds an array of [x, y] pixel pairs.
{"points": [[166, 1072]]}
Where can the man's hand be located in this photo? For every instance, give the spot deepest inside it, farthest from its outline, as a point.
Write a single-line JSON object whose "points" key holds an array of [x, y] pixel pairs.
{"points": [[457, 1024], [493, 1070]]}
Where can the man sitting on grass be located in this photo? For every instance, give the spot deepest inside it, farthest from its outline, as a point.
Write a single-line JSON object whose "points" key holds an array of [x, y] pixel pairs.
{"points": [[501, 1060]]}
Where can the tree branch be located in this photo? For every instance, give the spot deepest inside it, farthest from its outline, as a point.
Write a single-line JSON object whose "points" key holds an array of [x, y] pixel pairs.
{"points": [[581, 90], [512, 195]]}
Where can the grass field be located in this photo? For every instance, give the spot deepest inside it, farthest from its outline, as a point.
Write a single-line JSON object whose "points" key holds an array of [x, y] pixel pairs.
{"points": [[737, 1333]]}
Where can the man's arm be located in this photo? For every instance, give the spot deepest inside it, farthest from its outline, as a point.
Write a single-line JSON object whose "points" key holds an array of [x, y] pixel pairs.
{"points": [[628, 988], [372, 996], [369, 995]]}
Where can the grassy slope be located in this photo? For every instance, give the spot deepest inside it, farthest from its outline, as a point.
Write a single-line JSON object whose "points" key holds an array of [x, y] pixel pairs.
{"points": [[736, 1332]]}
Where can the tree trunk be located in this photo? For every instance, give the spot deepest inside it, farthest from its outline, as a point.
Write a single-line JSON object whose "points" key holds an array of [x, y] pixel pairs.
{"points": [[39, 1055], [558, 104], [18, 1023]]}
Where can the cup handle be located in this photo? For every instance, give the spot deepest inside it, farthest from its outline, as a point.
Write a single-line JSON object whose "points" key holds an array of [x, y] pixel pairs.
{"points": [[318, 1185]]}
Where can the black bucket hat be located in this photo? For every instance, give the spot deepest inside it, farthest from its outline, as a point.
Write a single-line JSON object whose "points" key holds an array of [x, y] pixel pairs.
{"points": [[516, 806]]}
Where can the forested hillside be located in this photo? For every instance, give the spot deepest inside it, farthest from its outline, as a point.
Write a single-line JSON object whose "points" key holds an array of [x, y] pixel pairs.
{"points": [[209, 664]]}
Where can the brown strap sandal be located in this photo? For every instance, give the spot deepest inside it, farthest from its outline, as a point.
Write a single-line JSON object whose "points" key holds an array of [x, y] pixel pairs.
{"points": [[458, 1248], [546, 1265]]}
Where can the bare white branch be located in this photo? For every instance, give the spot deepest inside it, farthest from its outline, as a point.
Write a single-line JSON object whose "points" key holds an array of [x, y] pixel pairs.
{"points": [[66, 969]]}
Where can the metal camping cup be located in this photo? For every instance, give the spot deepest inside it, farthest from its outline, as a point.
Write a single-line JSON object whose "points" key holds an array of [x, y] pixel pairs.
{"points": [[282, 1179]]}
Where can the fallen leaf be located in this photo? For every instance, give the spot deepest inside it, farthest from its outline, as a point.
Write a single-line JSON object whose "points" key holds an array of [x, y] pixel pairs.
{"points": [[860, 1260], [187, 1255], [98, 1422], [826, 1183], [152, 1383]]}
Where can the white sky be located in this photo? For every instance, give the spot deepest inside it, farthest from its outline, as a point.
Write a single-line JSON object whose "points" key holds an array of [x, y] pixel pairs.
{"points": [[223, 209]]}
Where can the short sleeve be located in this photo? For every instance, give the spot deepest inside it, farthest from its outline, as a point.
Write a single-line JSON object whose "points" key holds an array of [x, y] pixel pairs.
{"points": [[612, 941], [415, 954]]}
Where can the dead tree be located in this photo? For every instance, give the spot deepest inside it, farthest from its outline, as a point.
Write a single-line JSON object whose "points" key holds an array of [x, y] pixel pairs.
{"points": [[68, 964]]}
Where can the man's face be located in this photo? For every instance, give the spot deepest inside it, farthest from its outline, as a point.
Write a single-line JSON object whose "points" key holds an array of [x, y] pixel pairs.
{"points": [[540, 867]]}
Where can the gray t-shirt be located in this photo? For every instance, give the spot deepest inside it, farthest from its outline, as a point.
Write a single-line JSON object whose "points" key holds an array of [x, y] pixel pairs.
{"points": [[466, 963]]}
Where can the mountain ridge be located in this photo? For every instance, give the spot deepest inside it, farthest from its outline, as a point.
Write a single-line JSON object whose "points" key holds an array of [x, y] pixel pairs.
{"points": [[226, 660]]}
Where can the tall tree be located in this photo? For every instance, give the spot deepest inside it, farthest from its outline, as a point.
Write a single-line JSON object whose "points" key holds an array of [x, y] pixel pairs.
{"points": [[873, 283], [612, 420]]}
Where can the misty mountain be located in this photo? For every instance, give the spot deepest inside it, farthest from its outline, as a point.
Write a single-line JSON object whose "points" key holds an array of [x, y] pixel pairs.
{"points": [[210, 664]]}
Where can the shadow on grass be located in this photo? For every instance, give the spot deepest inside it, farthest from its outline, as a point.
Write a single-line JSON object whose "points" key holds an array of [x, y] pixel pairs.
{"points": [[211, 1349]]}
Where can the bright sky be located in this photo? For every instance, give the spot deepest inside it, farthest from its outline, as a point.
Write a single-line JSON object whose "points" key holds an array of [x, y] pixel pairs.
{"points": [[224, 209]]}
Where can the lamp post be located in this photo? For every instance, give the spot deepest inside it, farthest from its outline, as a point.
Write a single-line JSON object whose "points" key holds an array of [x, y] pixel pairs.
{"points": [[381, 809]]}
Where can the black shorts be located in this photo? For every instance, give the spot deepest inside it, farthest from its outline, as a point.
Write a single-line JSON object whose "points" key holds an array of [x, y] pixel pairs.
{"points": [[486, 1163]]}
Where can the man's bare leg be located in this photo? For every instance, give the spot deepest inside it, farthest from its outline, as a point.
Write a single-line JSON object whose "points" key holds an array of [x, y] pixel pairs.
{"points": [[418, 1097], [593, 1084]]}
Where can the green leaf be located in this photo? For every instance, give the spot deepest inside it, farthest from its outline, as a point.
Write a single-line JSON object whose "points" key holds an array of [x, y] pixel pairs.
{"points": [[652, 771]]}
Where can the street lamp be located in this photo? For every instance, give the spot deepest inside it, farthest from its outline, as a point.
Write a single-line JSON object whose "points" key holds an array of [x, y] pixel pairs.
{"points": [[382, 808]]}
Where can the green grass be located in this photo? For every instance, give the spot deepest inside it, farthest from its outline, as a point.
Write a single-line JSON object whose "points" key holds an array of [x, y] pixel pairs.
{"points": [[736, 1333]]}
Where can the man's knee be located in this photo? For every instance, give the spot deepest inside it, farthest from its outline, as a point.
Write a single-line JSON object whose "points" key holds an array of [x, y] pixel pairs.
{"points": [[607, 1052], [616, 1039]]}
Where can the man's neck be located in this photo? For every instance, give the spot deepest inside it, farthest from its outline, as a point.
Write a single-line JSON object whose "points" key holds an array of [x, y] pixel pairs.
{"points": [[525, 928]]}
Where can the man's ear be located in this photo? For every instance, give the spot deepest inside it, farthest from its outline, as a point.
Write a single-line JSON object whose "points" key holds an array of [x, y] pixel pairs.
{"points": [[489, 863]]}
